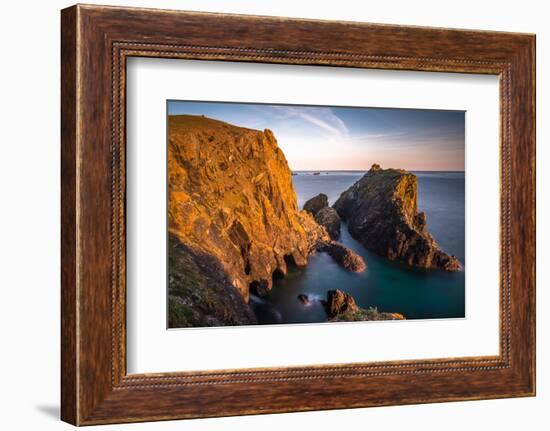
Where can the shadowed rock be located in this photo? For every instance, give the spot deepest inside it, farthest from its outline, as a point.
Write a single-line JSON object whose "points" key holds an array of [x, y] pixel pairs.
{"points": [[200, 291], [316, 203], [381, 212], [329, 218]]}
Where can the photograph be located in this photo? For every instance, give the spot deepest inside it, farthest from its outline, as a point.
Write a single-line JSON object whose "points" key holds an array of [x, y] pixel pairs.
{"points": [[300, 214]]}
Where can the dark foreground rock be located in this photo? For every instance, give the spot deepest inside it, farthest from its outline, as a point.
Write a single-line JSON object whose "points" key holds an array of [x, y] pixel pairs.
{"points": [[382, 213], [344, 256], [316, 203], [200, 291], [341, 307], [329, 218]]}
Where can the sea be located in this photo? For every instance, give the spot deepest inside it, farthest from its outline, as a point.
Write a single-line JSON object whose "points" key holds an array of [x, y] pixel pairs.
{"points": [[386, 285]]}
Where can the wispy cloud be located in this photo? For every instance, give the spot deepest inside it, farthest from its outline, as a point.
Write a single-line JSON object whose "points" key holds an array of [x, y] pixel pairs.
{"points": [[323, 118], [337, 129]]}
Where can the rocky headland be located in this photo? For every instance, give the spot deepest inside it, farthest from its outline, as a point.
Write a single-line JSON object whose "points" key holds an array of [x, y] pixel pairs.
{"points": [[381, 212], [233, 221]]}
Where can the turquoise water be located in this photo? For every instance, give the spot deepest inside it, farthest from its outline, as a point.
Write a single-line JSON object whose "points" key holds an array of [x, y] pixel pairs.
{"points": [[390, 286]]}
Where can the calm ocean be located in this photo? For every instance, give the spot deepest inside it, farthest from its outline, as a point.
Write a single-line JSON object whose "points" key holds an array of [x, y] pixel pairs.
{"points": [[390, 286]]}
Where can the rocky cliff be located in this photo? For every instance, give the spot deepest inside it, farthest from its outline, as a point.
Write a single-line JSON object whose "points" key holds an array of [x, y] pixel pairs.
{"points": [[233, 210], [200, 290], [382, 213]]}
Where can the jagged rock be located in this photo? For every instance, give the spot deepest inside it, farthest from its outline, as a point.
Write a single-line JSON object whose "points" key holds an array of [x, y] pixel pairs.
{"points": [[316, 203], [339, 302], [317, 236], [329, 218], [231, 199], [343, 255], [381, 212], [341, 307]]}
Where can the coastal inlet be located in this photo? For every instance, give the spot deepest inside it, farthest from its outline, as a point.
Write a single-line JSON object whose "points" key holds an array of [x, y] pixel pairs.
{"points": [[386, 285], [251, 242]]}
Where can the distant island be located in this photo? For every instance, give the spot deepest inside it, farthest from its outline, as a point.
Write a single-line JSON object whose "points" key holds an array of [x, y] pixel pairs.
{"points": [[234, 226]]}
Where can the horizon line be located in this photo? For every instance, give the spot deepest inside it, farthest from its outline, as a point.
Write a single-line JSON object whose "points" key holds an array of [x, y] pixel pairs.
{"points": [[366, 170]]}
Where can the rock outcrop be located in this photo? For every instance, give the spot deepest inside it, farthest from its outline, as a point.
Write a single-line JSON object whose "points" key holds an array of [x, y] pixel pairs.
{"points": [[329, 218], [339, 302], [381, 212], [324, 215], [316, 203], [341, 307], [344, 256], [233, 206], [304, 299]]}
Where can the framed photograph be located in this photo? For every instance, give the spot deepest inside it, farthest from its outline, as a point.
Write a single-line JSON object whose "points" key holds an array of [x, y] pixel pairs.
{"points": [[264, 215]]}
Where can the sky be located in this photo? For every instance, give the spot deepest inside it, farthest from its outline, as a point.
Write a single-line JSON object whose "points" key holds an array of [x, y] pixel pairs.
{"points": [[349, 138]]}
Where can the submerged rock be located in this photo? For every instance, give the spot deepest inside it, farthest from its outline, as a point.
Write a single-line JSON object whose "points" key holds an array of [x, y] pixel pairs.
{"points": [[344, 256], [316, 203], [231, 199], [304, 299], [329, 218], [382, 213]]}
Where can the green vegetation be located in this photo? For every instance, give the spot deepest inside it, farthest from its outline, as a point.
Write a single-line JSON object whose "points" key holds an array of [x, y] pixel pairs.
{"points": [[362, 314], [199, 293]]}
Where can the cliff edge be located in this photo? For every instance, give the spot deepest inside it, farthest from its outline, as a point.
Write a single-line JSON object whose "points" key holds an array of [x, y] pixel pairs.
{"points": [[231, 198]]}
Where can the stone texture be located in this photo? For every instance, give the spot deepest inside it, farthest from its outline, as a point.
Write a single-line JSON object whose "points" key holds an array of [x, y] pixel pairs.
{"points": [[316, 203], [381, 212], [344, 256], [339, 302], [200, 291], [329, 218]]}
